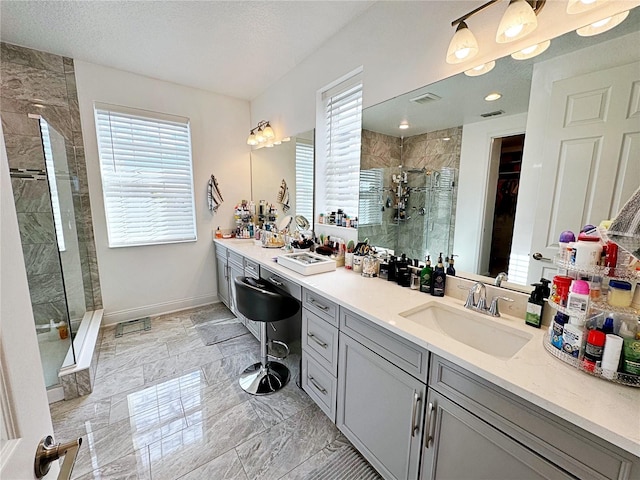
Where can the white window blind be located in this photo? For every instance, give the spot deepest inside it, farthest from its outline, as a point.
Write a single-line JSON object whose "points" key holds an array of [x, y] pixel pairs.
{"points": [[147, 177], [371, 183], [304, 179], [343, 115], [53, 183]]}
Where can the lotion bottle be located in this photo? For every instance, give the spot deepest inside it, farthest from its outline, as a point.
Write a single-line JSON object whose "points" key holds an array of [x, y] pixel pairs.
{"points": [[425, 276], [439, 279]]}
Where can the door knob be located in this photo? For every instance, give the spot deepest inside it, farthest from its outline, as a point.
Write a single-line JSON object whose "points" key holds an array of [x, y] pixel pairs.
{"points": [[538, 256], [48, 452]]}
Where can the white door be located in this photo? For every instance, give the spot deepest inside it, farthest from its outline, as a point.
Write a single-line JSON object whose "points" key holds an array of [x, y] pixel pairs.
{"points": [[591, 155], [23, 399]]}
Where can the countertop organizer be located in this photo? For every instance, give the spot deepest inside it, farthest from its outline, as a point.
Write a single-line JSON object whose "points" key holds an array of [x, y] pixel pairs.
{"points": [[597, 308]]}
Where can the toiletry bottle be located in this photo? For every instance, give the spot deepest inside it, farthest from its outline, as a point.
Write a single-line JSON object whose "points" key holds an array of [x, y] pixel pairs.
{"points": [[425, 276], [218, 233], [573, 339], [450, 269], [557, 328], [535, 304], [578, 301], [611, 355], [438, 279], [593, 350], [392, 269]]}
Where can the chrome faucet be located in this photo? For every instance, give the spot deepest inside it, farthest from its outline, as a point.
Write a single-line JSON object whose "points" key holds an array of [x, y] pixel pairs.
{"points": [[501, 277], [480, 305]]}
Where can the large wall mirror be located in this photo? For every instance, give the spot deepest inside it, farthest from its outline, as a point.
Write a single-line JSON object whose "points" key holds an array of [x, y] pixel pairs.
{"points": [[445, 170], [291, 162]]}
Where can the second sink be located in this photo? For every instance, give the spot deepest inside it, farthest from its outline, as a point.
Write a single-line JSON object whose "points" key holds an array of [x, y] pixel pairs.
{"points": [[477, 331]]}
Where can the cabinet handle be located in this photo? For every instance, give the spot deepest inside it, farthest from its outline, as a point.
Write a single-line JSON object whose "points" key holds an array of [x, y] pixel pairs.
{"points": [[275, 281], [319, 342], [414, 414], [430, 423], [226, 272], [315, 384], [250, 267], [319, 305]]}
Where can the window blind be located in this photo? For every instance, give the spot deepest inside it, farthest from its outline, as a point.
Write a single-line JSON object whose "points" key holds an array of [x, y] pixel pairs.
{"points": [[304, 179], [147, 178], [343, 114], [371, 183], [53, 183]]}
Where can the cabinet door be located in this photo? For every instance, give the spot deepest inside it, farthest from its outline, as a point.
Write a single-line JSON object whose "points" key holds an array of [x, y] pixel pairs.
{"points": [[223, 280], [380, 410], [236, 271], [459, 445]]}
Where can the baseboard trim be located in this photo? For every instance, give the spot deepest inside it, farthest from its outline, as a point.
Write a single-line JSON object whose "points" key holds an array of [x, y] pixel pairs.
{"points": [[111, 318]]}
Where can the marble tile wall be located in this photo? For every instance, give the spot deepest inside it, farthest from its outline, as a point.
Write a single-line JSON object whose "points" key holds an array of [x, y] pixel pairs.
{"points": [[41, 83], [433, 152]]}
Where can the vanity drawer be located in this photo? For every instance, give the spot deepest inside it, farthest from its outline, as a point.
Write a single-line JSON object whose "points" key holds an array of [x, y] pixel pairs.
{"points": [[322, 307], [288, 286], [320, 340], [402, 353], [251, 268], [221, 251], [320, 385], [236, 258]]}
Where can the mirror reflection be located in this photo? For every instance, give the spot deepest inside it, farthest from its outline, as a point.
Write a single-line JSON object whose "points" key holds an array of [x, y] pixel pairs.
{"points": [[549, 154], [282, 176]]}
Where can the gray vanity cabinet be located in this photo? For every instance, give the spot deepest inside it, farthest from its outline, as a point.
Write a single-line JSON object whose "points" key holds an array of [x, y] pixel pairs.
{"points": [[381, 394], [459, 445], [222, 275]]}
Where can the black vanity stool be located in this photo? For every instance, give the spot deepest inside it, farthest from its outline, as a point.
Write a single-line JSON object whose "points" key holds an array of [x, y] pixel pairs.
{"points": [[261, 302]]}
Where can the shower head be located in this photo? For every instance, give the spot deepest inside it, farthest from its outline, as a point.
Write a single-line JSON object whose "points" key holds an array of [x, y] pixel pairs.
{"points": [[417, 170]]}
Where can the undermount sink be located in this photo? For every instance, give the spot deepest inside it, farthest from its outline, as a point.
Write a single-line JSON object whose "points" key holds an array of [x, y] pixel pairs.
{"points": [[471, 328]]}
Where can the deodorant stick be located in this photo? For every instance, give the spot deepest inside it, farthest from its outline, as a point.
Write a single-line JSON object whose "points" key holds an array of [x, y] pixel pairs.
{"points": [[611, 355]]}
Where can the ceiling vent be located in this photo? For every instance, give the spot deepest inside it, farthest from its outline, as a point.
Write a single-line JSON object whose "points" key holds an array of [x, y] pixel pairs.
{"points": [[492, 114], [426, 98]]}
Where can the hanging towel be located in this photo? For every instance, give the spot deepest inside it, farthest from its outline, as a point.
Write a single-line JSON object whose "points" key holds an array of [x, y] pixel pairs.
{"points": [[214, 197], [283, 196], [625, 228]]}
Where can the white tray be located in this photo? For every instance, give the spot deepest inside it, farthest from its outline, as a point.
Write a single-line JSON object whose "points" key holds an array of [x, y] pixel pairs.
{"points": [[306, 263]]}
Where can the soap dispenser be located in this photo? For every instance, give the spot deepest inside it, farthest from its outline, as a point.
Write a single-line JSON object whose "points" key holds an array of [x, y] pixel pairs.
{"points": [[450, 268], [439, 279], [425, 276], [535, 303]]}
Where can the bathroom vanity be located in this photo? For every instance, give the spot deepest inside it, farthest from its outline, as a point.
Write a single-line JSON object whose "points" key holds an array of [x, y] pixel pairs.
{"points": [[419, 399]]}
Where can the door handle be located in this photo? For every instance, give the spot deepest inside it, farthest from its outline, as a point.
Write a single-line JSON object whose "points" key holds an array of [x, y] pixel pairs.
{"points": [[538, 256], [48, 452]]}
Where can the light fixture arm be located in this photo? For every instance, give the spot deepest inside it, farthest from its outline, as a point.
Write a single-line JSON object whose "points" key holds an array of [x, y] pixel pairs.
{"points": [[536, 5]]}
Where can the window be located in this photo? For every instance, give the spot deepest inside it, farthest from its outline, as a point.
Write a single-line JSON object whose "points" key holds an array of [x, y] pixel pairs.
{"points": [[370, 193], [147, 178], [304, 178], [53, 183], [342, 136]]}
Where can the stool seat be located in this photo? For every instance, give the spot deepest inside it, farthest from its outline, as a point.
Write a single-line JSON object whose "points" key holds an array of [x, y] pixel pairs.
{"points": [[259, 301]]}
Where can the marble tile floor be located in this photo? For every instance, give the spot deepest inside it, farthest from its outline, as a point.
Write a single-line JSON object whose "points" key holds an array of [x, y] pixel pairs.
{"points": [[165, 406]]}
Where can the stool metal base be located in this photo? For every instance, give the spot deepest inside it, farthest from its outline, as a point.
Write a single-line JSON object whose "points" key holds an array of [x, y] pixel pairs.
{"points": [[263, 380]]}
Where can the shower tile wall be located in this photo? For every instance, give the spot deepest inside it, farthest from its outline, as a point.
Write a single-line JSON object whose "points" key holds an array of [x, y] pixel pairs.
{"points": [[41, 83], [430, 151]]}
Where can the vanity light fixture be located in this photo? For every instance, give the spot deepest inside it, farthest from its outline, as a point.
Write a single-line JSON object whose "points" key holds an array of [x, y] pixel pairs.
{"points": [[579, 6], [403, 126], [480, 69], [531, 51], [463, 45], [603, 25], [518, 21], [492, 97], [261, 134]]}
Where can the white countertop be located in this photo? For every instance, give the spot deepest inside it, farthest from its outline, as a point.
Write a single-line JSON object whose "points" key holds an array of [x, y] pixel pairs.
{"points": [[605, 409]]}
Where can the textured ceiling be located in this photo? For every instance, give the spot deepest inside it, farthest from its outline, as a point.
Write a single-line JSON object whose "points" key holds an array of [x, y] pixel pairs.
{"points": [[237, 48]]}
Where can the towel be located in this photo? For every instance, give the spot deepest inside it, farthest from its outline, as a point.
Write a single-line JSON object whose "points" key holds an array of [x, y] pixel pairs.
{"points": [[625, 228], [283, 196], [214, 197]]}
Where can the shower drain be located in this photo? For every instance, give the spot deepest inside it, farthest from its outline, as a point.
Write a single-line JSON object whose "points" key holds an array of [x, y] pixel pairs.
{"points": [[133, 326]]}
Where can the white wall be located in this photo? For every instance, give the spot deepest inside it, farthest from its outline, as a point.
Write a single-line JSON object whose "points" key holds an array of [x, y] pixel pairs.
{"points": [[401, 46], [473, 187], [140, 281]]}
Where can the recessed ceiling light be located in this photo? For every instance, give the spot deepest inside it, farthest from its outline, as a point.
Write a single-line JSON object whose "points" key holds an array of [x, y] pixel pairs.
{"points": [[602, 25], [493, 96], [480, 69], [403, 126], [531, 51]]}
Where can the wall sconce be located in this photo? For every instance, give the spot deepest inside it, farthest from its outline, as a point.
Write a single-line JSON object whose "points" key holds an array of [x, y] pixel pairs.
{"points": [[261, 134], [603, 25], [518, 20], [480, 69], [532, 51], [579, 6]]}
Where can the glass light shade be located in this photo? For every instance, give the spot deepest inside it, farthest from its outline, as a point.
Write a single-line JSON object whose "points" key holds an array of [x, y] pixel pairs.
{"points": [[463, 45], [579, 6], [531, 51], [518, 21], [602, 25], [480, 69], [260, 136], [492, 97], [251, 139], [268, 132], [403, 126]]}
